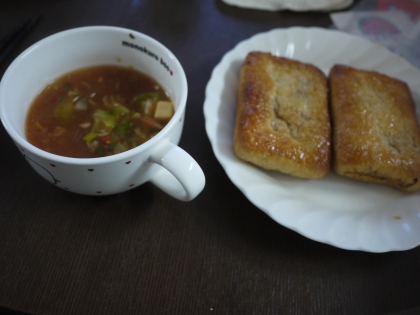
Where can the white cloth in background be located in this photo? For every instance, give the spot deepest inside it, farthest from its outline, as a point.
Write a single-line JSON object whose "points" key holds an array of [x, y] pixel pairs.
{"points": [[294, 5], [393, 29]]}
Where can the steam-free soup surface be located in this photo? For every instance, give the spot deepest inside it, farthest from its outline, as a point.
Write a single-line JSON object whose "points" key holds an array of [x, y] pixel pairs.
{"points": [[97, 111]]}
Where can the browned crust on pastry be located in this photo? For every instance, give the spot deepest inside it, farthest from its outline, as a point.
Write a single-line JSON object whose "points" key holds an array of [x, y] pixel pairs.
{"points": [[282, 120], [376, 134]]}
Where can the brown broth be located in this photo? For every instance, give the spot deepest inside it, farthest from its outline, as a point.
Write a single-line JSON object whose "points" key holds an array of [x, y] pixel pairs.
{"points": [[97, 111]]}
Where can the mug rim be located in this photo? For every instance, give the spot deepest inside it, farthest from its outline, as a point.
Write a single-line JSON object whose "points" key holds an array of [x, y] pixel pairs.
{"points": [[21, 141]]}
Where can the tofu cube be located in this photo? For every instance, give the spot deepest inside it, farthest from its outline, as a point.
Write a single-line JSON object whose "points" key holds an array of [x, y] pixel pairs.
{"points": [[164, 110]]}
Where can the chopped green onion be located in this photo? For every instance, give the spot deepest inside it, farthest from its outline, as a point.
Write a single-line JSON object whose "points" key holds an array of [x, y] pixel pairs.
{"points": [[118, 111], [146, 103], [145, 96], [90, 136], [64, 111], [104, 122], [100, 151], [123, 127]]}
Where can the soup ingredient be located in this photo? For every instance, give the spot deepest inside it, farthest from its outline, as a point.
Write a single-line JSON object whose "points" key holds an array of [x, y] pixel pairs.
{"points": [[98, 111]]}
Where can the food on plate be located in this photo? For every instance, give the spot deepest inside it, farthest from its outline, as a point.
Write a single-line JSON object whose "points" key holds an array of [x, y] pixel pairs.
{"points": [[98, 111], [376, 135], [282, 121]]}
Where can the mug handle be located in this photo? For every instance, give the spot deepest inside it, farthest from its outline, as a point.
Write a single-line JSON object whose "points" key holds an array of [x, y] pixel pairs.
{"points": [[184, 178]]}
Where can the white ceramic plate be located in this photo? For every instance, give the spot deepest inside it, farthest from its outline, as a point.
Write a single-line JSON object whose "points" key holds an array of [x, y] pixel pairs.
{"points": [[341, 212]]}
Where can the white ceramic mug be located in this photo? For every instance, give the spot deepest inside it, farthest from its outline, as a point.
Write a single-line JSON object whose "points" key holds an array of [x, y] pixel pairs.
{"points": [[159, 160]]}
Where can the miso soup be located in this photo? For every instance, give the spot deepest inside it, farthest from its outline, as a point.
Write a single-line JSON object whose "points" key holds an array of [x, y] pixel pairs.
{"points": [[98, 111]]}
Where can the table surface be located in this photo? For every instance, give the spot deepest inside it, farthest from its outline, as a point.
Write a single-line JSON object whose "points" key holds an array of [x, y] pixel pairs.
{"points": [[142, 252]]}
